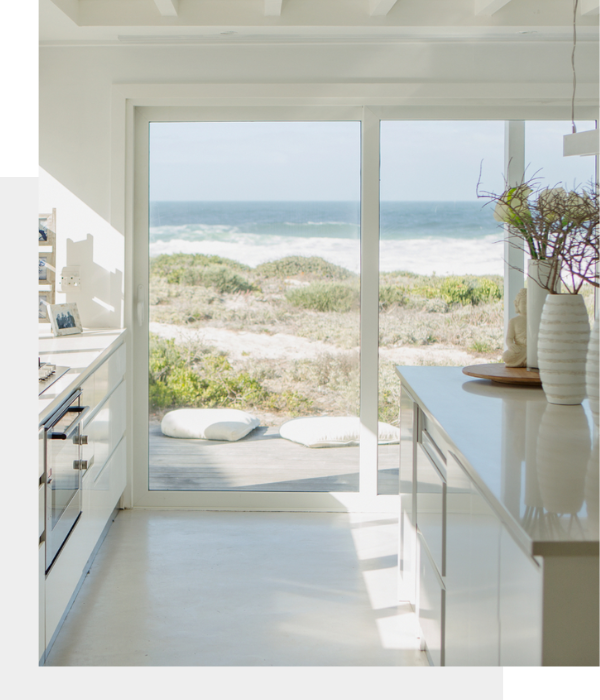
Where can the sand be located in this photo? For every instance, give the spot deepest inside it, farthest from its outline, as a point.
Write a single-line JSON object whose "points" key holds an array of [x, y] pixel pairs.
{"points": [[241, 344]]}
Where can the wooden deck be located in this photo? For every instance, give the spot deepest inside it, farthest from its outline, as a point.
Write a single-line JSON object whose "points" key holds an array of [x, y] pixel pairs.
{"points": [[262, 461]]}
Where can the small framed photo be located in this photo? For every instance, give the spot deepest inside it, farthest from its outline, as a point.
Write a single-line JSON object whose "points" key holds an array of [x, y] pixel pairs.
{"points": [[45, 298], [47, 229], [64, 319], [43, 229], [46, 270]]}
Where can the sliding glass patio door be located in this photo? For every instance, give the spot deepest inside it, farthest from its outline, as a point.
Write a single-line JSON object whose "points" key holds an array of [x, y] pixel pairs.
{"points": [[254, 301]]}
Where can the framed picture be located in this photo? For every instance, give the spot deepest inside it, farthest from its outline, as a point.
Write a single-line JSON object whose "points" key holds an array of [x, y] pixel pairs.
{"points": [[64, 319], [46, 269], [46, 263], [45, 298], [47, 228]]}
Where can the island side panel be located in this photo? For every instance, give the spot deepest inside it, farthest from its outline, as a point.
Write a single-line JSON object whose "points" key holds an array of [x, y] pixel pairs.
{"points": [[571, 611]]}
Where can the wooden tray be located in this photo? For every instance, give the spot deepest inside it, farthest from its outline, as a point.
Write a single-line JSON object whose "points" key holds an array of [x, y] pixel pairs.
{"points": [[501, 374]]}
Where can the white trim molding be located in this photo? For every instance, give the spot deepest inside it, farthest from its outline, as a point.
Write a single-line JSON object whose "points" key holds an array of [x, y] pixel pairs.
{"points": [[514, 255]]}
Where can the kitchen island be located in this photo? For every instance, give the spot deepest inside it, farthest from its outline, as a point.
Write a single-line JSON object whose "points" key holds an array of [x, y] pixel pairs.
{"points": [[499, 522], [95, 380]]}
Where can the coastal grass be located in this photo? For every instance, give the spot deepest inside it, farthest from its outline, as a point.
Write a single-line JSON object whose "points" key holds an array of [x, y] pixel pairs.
{"points": [[309, 298]]}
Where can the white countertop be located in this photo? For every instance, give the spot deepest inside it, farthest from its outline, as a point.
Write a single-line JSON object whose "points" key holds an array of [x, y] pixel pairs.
{"points": [[82, 353], [533, 460]]}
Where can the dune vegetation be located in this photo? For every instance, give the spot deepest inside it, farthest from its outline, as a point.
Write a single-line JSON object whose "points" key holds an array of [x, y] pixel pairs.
{"points": [[423, 320]]}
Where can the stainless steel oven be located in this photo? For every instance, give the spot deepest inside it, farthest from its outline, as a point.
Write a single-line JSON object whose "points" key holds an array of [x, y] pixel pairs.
{"points": [[63, 470]]}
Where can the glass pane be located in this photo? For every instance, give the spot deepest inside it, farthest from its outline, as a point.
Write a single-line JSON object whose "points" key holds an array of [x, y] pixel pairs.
{"points": [[545, 161], [441, 256], [254, 304]]}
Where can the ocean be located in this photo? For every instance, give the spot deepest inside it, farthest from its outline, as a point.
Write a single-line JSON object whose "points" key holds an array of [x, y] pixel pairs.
{"points": [[420, 237]]}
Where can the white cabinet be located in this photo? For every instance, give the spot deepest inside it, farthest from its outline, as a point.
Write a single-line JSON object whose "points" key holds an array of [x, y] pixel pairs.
{"points": [[495, 578], [407, 549], [473, 552], [431, 605], [520, 605], [41, 601], [102, 486], [461, 580]]}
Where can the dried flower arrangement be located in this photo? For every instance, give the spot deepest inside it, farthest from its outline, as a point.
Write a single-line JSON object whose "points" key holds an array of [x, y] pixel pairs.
{"points": [[557, 226]]}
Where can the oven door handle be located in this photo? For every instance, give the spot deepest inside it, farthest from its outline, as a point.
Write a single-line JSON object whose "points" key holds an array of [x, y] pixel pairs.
{"points": [[82, 412]]}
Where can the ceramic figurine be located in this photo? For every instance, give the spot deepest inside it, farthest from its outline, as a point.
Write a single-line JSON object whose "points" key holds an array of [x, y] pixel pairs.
{"points": [[516, 336]]}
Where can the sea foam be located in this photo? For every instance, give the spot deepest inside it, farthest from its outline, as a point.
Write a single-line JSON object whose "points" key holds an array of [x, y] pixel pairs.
{"points": [[426, 255]]}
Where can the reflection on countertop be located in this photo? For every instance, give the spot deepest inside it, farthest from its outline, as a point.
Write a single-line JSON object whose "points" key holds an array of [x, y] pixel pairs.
{"points": [[549, 466], [539, 460]]}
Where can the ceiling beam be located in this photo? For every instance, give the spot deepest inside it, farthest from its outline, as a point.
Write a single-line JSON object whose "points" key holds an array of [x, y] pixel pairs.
{"points": [[489, 7], [273, 8], [380, 8], [167, 8], [590, 7]]}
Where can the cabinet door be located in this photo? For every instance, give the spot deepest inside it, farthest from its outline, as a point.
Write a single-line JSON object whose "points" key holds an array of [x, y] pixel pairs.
{"points": [[407, 554], [431, 506], [520, 606], [431, 606], [472, 571], [42, 601]]}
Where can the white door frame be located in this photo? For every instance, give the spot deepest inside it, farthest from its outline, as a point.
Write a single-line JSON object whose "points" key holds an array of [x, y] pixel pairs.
{"points": [[132, 108], [366, 498]]}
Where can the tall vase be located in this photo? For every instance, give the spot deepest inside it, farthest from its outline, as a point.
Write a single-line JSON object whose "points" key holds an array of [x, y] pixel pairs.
{"points": [[592, 373], [562, 348], [538, 271]]}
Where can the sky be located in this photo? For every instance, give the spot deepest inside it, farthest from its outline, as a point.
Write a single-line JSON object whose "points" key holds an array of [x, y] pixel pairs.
{"points": [[320, 161]]}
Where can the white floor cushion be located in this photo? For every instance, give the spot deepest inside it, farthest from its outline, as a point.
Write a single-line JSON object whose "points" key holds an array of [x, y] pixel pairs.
{"points": [[208, 423], [329, 431]]}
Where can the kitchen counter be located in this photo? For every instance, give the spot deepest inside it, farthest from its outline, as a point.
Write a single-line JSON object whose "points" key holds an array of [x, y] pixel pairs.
{"points": [[499, 521], [82, 353], [532, 460]]}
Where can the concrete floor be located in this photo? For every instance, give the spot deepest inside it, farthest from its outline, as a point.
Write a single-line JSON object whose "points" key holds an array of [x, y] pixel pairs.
{"points": [[198, 588]]}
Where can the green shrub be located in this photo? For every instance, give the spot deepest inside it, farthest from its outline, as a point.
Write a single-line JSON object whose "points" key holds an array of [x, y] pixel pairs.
{"points": [[299, 265], [391, 294], [202, 270], [325, 296], [462, 290], [172, 266], [480, 346], [220, 277], [211, 382]]}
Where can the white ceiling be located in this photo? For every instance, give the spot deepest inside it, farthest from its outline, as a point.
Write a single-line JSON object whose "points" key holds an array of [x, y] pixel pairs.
{"points": [[275, 21]]}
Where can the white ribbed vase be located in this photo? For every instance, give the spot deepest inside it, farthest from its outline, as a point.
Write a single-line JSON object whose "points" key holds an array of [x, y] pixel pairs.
{"points": [[562, 348], [592, 373]]}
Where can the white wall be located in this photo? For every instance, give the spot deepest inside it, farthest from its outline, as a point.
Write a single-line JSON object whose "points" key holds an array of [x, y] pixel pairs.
{"points": [[18, 63], [86, 240], [75, 111]]}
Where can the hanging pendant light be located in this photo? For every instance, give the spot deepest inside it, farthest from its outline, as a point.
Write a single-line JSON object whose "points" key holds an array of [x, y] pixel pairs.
{"points": [[584, 143]]}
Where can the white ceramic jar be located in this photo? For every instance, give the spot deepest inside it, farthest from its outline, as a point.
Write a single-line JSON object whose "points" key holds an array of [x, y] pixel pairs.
{"points": [[562, 348]]}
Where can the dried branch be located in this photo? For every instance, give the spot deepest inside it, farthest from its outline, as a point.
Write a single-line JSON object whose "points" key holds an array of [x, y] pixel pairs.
{"points": [[557, 226]]}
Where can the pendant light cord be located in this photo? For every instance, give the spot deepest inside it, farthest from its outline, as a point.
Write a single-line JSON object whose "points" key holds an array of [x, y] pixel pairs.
{"points": [[575, 3]]}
